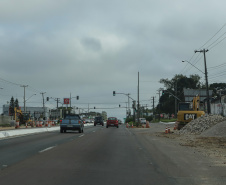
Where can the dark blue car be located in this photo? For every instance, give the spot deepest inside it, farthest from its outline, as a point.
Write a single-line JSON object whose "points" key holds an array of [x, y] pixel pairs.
{"points": [[71, 122]]}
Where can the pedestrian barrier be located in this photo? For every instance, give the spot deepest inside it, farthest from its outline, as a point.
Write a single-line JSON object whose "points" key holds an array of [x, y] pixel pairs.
{"points": [[17, 124], [175, 127], [132, 125], [49, 124], [147, 124], [39, 123]]}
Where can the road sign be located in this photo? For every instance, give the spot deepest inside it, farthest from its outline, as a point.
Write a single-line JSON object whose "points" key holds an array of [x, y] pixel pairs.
{"points": [[66, 100]]}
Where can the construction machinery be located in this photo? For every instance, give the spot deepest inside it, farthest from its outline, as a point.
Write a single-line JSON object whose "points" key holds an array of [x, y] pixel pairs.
{"points": [[23, 118], [188, 111]]}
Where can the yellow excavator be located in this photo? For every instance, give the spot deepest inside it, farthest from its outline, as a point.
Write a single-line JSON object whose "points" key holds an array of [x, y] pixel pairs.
{"points": [[188, 111], [23, 118]]}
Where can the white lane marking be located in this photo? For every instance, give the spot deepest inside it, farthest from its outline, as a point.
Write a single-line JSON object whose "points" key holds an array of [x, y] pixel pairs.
{"points": [[47, 149], [81, 135], [94, 131]]}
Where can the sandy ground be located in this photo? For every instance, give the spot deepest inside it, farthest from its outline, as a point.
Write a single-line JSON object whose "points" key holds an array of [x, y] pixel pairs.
{"points": [[213, 147]]}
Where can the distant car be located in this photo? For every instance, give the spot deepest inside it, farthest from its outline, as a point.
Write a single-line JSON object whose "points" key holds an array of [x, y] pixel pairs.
{"points": [[71, 122], [112, 121], [87, 121], [142, 120], [119, 122], [98, 121]]}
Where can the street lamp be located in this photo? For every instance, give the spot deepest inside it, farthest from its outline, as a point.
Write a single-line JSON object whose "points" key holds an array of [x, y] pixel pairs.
{"points": [[193, 66]]}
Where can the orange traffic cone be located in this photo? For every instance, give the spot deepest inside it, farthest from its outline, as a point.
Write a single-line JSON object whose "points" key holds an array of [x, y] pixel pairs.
{"points": [[166, 130]]}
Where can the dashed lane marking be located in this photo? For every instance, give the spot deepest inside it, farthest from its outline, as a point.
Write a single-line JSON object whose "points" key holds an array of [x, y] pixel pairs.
{"points": [[49, 148]]}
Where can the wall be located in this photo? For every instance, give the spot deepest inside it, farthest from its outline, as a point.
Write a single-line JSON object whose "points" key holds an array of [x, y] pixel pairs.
{"points": [[5, 119]]}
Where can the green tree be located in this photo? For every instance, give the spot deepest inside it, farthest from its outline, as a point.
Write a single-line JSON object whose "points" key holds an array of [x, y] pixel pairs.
{"points": [[174, 87], [218, 89], [11, 107], [16, 103]]}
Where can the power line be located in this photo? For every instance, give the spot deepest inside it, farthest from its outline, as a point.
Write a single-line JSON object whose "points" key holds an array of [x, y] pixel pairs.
{"points": [[213, 36]]}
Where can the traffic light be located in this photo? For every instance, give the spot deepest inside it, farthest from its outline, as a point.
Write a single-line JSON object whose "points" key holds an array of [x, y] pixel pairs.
{"points": [[163, 92], [47, 98], [77, 97], [113, 93], [119, 105], [94, 107]]}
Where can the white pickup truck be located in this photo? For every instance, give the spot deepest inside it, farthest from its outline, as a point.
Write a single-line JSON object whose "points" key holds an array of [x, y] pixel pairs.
{"points": [[142, 120]]}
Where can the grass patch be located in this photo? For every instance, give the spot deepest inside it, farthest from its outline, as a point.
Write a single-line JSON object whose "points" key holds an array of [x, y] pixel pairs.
{"points": [[5, 125]]}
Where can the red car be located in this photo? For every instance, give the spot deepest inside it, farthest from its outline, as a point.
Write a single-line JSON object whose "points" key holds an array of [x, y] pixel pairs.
{"points": [[112, 122]]}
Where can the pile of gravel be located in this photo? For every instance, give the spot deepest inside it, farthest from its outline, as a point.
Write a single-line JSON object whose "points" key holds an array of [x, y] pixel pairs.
{"points": [[218, 130], [201, 124]]}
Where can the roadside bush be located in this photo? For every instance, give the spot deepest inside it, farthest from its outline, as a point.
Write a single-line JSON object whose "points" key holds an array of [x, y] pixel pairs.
{"points": [[5, 125]]}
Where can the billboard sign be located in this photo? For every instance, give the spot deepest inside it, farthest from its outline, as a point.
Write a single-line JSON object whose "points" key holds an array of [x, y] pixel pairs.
{"points": [[66, 100]]}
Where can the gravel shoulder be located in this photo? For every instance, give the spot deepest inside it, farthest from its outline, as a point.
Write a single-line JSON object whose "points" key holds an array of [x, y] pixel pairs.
{"points": [[211, 142]]}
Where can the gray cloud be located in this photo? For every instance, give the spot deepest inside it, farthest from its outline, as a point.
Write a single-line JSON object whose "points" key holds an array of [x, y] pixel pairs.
{"points": [[93, 47]]}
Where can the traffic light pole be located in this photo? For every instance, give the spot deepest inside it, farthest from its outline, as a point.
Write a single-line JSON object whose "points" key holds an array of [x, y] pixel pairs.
{"points": [[114, 93]]}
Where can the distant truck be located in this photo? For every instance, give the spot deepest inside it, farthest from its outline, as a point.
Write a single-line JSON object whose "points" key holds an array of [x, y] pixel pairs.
{"points": [[98, 120], [142, 120], [71, 122]]}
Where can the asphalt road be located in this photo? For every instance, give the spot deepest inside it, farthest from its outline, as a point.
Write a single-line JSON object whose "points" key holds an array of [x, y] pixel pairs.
{"points": [[105, 156]]}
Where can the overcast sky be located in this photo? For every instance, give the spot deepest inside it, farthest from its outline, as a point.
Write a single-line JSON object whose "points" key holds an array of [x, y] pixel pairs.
{"points": [[91, 48]]}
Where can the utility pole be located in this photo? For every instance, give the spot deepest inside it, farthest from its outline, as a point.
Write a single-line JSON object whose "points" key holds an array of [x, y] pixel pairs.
{"points": [[160, 89], [153, 101], [24, 86], [138, 101], [128, 106], [176, 100], [43, 102], [206, 77], [134, 107], [70, 99], [57, 100]]}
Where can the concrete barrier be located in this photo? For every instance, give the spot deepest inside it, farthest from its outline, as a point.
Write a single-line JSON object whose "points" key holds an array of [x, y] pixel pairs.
{"points": [[5, 119], [11, 133], [25, 131], [1, 135]]}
